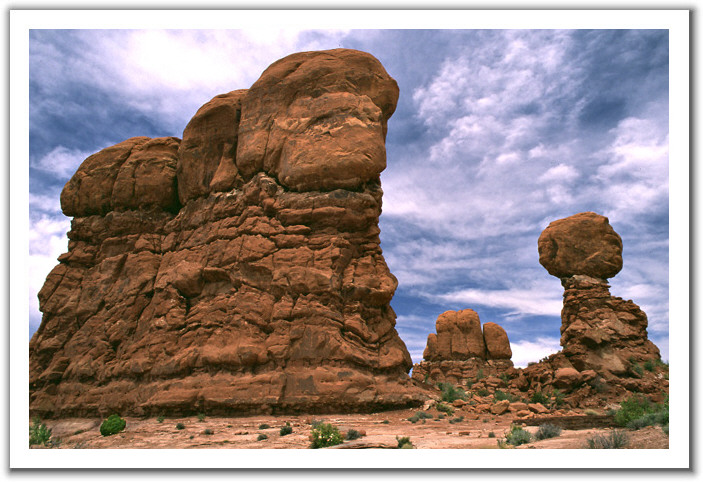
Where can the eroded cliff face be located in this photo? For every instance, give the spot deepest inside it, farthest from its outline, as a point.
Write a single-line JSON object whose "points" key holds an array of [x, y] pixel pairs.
{"points": [[237, 270]]}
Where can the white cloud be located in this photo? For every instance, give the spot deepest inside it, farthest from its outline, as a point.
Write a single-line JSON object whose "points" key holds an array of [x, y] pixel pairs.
{"points": [[61, 161], [518, 301], [525, 351], [559, 173]]}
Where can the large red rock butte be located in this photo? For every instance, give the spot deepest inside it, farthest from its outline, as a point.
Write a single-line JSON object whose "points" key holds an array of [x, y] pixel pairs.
{"points": [[599, 332], [460, 348], [235, 270]]}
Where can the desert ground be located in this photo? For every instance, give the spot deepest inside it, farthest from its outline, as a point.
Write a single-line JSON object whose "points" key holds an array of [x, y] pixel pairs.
{"points": [[381, 431]]}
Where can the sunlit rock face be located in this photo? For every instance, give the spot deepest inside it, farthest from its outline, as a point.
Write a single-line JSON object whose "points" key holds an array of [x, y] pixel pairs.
{"points": [[235, 270]]}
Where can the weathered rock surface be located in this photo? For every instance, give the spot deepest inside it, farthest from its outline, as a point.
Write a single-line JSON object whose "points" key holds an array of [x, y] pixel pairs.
{"points": [[582, 244], [237, 270], [460, 348]]}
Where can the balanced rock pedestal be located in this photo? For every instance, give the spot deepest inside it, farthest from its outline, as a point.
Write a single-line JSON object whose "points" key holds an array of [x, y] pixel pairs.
{"points": [[599, 332], [460, 348], [237, 270]]}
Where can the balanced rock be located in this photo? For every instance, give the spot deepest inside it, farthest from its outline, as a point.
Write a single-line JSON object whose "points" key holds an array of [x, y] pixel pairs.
{"points": [[599, 332], [582, 244], [461, 348], [238, 270]]}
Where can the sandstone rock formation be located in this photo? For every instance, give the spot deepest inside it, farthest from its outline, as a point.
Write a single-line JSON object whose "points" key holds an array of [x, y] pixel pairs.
{"points": [[599, 332], [238, 270], [460, 349]]}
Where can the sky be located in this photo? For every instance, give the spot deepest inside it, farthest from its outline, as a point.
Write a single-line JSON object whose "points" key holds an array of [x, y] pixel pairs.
{"points": [[496, 134]]}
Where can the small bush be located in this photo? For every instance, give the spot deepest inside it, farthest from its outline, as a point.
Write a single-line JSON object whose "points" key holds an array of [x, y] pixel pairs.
{"points": [[286, 430], [404, 442], [180, 426], [262, 436], [558, 398], [505, 378], [352, 434], [326, 435], [414, 419], [637, 369], [547, 430], [635, 407], [201, 417], [598, 385], [657, 418], [208, 431], [617, 439], [665, 429], [386, 422], [517, 436], [501, 395], [264, 426], [160, 419], [456, 420], [491, 435], [450, 393], [39, 434], [112, 425], [539, 397], [649, 365], [480, 375], [482, 392], [441, 407]]}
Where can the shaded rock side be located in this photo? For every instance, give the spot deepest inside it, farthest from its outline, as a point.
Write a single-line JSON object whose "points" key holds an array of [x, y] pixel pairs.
{"points": [[218, 275], [461, 349]]}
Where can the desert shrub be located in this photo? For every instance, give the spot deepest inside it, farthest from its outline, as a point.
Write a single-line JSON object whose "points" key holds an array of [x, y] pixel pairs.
{"points": [[598, 384], [386, 422], [491, 435], [665, 429], [180, 426], [482, 392], [480, 375], [547, 430], [414, 419], [517, 436], [450, 393], [558, 398], [352, 434], [285, 430], [617, 439], [659, 417], [264, 426], [160, 419], [635, 407], [404, 442], [262, 436], [208, 431], [443, 407], [112, 425], [326, 435], [637, 369], [456, 420], [501, 395], [505, 378], [649, 365], [39, 434], [539, 397], [201, 417]]}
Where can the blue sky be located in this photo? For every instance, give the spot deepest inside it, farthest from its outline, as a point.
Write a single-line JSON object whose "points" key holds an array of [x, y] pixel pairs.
{"points": [[497, 133]]}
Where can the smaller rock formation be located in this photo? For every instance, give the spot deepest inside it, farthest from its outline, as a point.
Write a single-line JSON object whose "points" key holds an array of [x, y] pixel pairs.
{"points": [[460, 349]]}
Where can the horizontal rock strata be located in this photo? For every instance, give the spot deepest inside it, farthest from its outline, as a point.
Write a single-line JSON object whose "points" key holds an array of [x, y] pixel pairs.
{"points": [[238, 270]]}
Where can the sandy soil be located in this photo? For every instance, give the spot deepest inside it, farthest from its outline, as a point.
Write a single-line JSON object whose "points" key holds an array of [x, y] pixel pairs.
{"points": [[474, 432]]}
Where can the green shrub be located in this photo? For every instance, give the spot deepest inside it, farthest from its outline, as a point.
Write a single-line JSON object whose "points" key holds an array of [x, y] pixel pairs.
{"points": [[649, 365], [264, 426], [456, 420], [352, 434], [414, 419], [598, 385], [404, 442], [539, 397], [262, 436], [201, 417], [326, 435], [617, 439], [450, 393], [665, 429], [160, 419], [112, 425], [39, 434], [547, 430], [558, 398], [501, 395], [637, 369], [635, 407], [180, 426], [441, 407], [491, 435], [208, 431], [660, 417], [517, 436], [286, 430], [386, 422], [482, 392], [505, 378], [480, 375]]}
